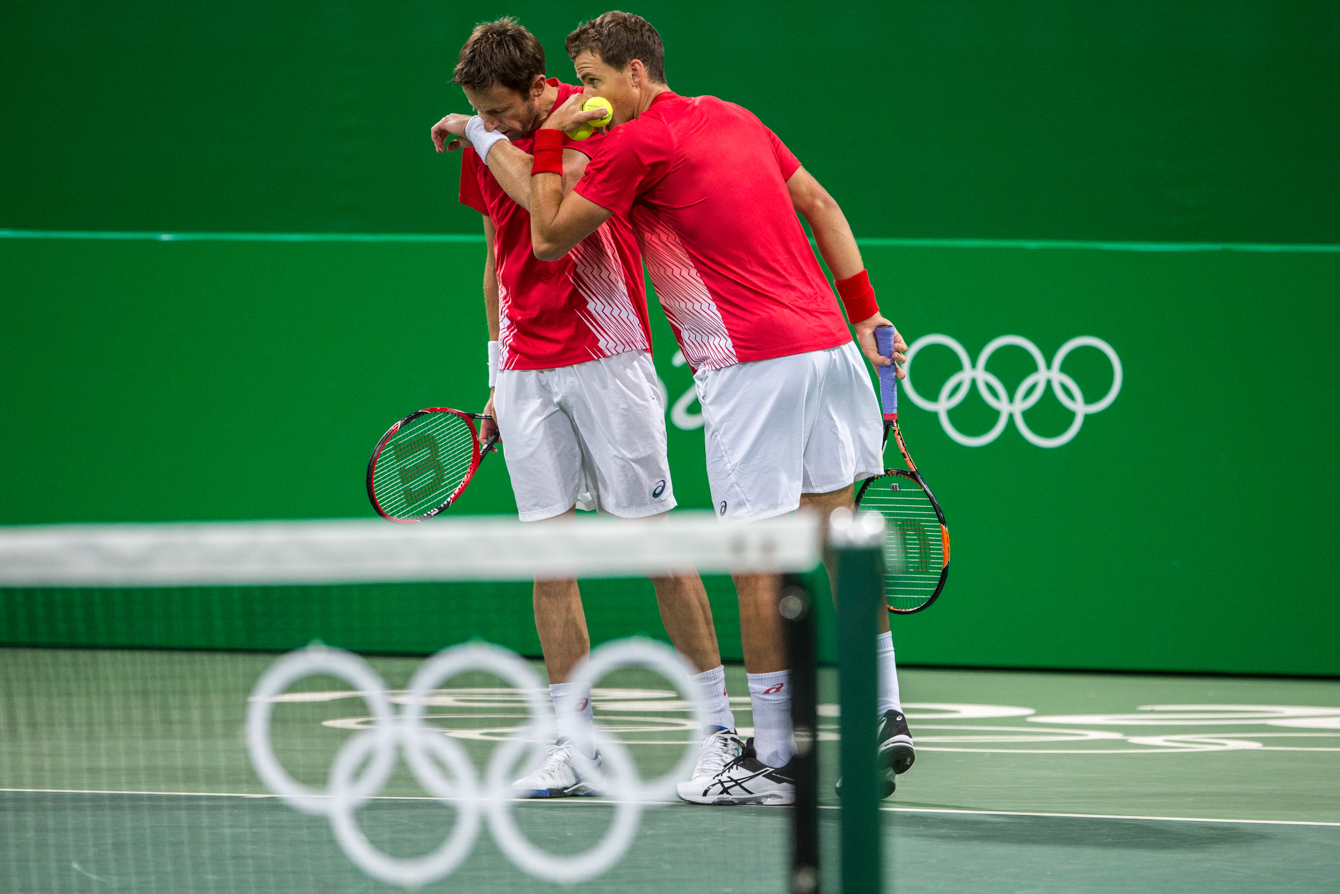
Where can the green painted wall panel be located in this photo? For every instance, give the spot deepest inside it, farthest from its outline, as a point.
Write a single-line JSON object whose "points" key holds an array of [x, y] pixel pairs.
{"points": [[1033, 119], [1185, 527]]}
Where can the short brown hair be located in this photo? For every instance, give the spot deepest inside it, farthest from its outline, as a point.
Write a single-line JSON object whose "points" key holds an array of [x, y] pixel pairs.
{"points": [[618, 38], [501, 52]]}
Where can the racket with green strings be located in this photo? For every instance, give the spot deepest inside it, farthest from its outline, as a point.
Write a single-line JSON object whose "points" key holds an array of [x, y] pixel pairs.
{"points": [[424, 462], [916, 537]]}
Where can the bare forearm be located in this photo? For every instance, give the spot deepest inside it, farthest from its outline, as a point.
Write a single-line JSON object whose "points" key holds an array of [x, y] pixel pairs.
{"points": [[511, 168], [546, 192], [490, 281], [491, 301]]}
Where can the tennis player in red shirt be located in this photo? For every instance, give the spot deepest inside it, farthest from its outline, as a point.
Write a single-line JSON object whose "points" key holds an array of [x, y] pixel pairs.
{"points": [[576, 400], [790, 416]]}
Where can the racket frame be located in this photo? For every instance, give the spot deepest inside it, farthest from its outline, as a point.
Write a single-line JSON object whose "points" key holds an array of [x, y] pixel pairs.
{"points": [[478, 453], [889, 398]]}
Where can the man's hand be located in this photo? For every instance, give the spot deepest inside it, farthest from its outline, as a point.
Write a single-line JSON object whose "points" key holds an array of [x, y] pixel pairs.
{"points": [[567, 116], [489, 427], [865, 337], [449, 133]]}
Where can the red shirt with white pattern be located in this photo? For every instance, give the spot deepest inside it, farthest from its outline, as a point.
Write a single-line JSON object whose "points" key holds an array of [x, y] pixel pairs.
{"points": [[591, 303], [704, 182]]}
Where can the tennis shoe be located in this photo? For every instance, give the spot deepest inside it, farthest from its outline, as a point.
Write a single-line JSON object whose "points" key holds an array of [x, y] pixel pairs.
{"points": [[565, 773], [744, 780], [719, 747], [895, 743], [894, 753]]}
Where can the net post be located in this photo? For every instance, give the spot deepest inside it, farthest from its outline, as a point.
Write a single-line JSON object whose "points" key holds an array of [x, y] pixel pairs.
{"points": [[796, 605], [856, 541]]}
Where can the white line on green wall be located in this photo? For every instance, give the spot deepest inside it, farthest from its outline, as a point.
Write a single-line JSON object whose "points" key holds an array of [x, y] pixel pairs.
{"points": [[478, 238]]}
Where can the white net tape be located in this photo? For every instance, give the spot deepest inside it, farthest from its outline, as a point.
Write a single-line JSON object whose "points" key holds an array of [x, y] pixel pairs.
{"points": [[358, 551]]}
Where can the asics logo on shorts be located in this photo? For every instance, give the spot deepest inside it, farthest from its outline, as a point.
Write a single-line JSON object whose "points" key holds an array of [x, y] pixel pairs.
{"points": [[659, 489], [722, 509], [1031, 390]]}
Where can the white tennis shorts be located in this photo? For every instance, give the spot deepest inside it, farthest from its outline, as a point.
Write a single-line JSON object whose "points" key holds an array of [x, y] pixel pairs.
{"points": [[590, 435], [775, 429]]}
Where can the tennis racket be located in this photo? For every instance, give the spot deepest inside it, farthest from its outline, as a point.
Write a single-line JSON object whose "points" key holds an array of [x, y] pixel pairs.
{"points": [[422, 465], [916, 538]]}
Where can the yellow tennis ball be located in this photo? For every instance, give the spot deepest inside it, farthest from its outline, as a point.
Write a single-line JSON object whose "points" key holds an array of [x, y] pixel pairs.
{"points": [[582, 131], [599, 102]]}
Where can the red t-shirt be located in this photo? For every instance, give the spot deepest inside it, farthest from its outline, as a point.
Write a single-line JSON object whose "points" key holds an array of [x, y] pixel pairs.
{"points": [[705, 184], [591, 303]]}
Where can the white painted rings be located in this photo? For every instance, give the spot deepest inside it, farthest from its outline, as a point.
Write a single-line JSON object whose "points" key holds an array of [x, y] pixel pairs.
{"points": [[1030, 390], [429, 753]]}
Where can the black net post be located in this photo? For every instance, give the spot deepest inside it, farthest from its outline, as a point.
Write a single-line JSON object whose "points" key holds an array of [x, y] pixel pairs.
{"points": [[797, 609], [856, 541]]}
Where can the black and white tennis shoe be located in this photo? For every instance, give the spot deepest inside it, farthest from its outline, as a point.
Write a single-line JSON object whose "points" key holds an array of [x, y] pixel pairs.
{"points": [[743, 780], [895, 752], [720, 746]]}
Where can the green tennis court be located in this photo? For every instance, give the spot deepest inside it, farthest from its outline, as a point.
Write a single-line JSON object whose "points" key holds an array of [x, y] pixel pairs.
{"points": [[126, 770], [230, 258]]}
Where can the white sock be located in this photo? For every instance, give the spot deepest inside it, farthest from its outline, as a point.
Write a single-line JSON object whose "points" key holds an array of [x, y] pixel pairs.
{"points": [[715, 703], [770, 695], [888, 674], [572, 705]]}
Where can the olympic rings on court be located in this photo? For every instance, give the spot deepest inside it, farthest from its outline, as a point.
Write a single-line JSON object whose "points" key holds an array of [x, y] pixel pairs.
{"points": [[1029, 392], [429, 751]]}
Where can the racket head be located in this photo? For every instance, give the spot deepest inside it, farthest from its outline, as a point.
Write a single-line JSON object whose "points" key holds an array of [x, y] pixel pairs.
{"points": [[423, 463], [916, 539]]}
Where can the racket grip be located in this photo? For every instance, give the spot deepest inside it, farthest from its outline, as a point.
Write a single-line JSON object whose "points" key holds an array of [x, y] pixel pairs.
{"points": [[888, 376]]}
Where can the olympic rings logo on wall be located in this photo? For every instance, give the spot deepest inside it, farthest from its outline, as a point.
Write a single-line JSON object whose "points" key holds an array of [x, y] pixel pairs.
{"points": [[430, 751], [955, 389]]}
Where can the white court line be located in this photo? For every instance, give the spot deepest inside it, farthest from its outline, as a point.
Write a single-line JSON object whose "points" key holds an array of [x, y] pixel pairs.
{"points": [[1109, 816], [591, 802]]}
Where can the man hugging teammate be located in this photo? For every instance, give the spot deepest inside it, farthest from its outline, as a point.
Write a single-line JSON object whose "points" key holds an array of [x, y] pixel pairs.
{"points": [[791, 419]]}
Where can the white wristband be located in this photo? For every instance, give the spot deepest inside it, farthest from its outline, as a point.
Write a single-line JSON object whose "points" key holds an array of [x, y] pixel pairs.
{"points": [[482, 138], [493, 363]]}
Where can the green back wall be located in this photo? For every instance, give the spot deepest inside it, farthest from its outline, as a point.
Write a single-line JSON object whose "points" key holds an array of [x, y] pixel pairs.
{"points": [[1011, 169], [1019, 119]]}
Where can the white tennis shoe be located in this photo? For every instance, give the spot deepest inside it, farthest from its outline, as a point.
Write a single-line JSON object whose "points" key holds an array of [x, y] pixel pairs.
{"points": [[719, 748], [565, 773], [743, 780]]}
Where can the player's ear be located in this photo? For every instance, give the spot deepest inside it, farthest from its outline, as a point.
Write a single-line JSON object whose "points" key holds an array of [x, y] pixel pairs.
{"points": [[537, 86]]}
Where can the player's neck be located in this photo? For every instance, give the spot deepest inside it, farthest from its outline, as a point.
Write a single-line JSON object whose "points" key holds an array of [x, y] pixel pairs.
{"points": [[649, 96], [548, 99]]}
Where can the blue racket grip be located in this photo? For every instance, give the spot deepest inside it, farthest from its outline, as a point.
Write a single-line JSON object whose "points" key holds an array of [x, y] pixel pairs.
{"points": [[888, 377]]}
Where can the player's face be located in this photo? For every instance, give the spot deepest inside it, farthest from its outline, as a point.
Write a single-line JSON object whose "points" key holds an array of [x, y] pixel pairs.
{"points": [[619, 87], [505, 110]]}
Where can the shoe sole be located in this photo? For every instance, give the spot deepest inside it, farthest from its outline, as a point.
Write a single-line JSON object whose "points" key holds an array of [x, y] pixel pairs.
{"points": [[898, 757], [893, 759], [774, 799], [575, 792]]}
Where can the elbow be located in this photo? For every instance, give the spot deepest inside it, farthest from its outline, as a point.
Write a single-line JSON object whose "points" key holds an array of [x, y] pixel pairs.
{"points": [[814, 203], [820, 207], [548, 251]]}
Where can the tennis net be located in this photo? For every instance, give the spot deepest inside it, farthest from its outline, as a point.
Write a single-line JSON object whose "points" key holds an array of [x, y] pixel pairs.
{"points": [[217, 756]]}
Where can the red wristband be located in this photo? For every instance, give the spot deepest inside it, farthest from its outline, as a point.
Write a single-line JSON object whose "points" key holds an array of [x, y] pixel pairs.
{"points": [[858, 297], [548, 152]]}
